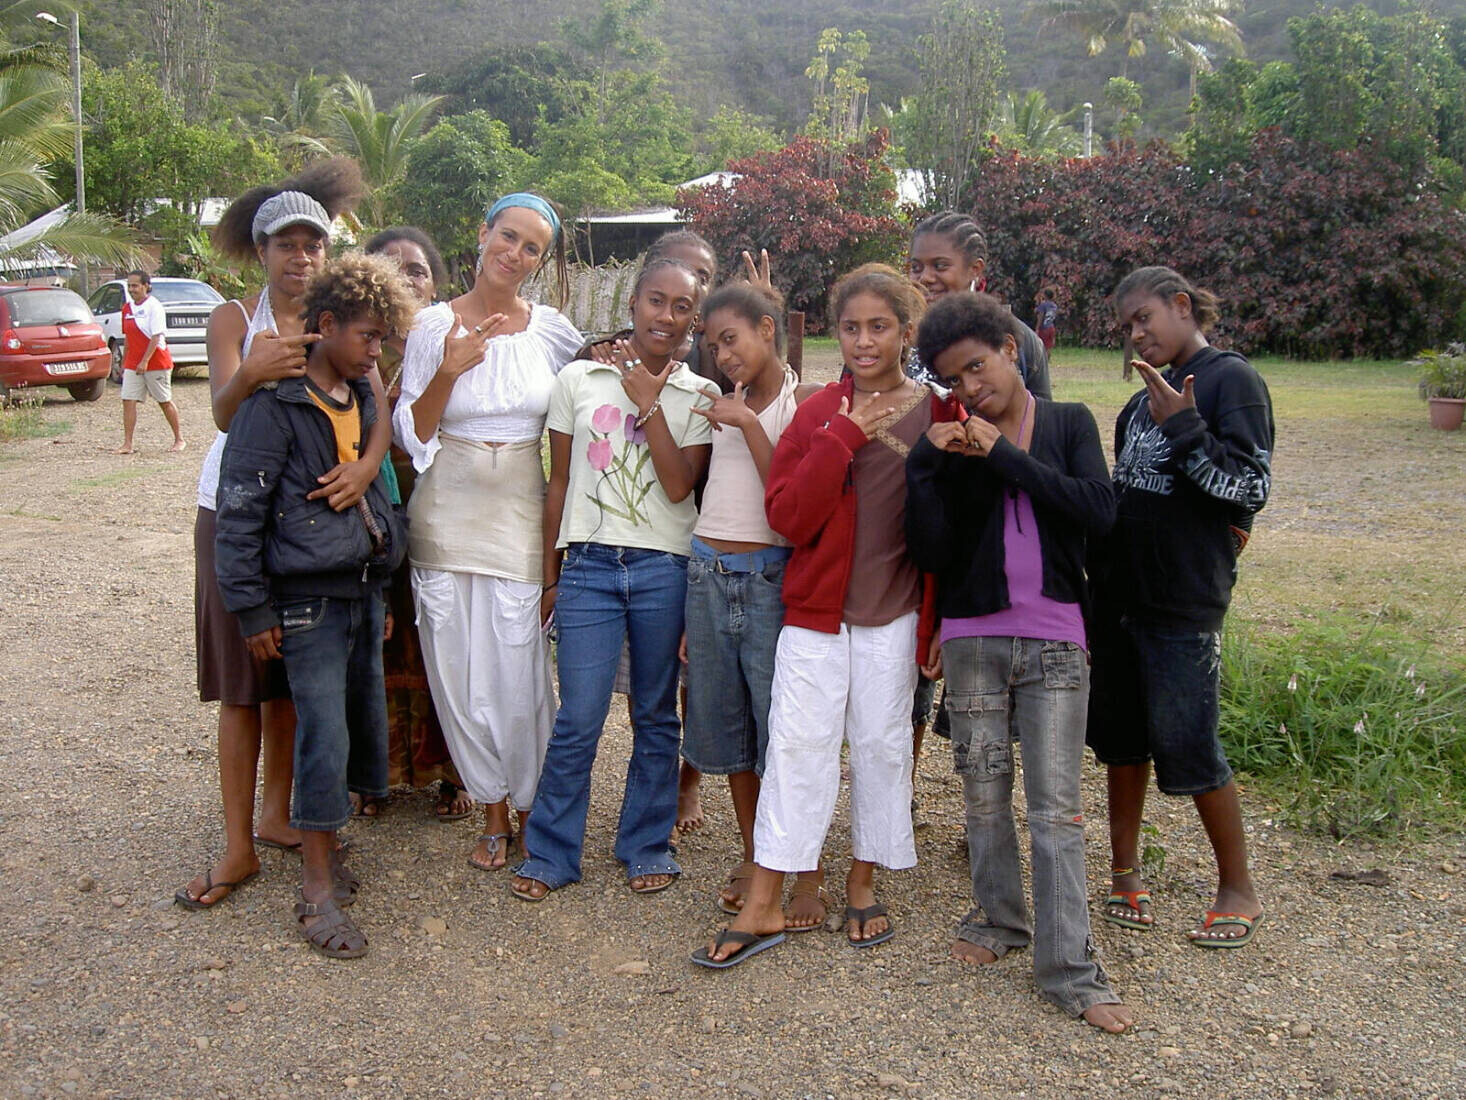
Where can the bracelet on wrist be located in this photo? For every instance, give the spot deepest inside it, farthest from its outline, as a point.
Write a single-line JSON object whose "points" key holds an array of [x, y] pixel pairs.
{"points": [[651, 412], [546, 588]]}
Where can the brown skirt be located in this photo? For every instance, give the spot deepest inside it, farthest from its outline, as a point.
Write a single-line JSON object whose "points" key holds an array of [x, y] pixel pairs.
{"points": [[227, 672]]}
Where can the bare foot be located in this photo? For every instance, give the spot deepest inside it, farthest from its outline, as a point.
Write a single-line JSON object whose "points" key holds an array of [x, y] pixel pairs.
{"points": [[972, 954], [730, 898], [458, 806], [123, 451], [225, 871], [278, 835], [689, 800], [178, 445], [809, 906], [1113, 1018]]}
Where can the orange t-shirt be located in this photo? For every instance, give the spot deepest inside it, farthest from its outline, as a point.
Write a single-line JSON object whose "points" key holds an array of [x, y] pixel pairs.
{"points": [[345, 422]]}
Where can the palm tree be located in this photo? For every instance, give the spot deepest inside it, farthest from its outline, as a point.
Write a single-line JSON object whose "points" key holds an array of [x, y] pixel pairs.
{"points": [[35, 131], [1181, 27], [1031, 127], [304, 117], [380, 140]]}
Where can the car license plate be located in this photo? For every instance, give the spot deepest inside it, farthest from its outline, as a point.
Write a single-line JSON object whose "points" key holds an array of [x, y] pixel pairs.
{"points": [[187, 320], [68, 368]]}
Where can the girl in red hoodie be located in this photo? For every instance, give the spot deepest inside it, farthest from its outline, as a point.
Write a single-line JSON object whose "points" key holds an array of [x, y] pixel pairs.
{"points": [[847, 655]]}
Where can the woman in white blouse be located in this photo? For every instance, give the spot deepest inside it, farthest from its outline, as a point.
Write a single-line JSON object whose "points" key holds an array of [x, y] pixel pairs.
{"points": [[476, 380]]}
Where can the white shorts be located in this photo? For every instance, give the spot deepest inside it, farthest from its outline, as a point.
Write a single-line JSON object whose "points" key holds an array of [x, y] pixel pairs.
{"points": [[157, 384]]}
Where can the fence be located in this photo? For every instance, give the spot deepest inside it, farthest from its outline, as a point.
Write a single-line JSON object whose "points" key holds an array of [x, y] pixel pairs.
{"points": [[598, 295]]}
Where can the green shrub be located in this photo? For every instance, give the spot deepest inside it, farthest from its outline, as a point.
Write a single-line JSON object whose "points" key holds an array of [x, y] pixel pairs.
{"points": [[1354, 737]]}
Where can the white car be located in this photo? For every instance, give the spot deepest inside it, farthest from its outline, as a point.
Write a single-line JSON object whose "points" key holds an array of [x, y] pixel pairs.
{"points": [[187, 303]]}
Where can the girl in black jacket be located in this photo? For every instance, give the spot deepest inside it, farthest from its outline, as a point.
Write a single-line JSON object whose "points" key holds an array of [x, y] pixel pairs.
{"points": [[999, 507]]}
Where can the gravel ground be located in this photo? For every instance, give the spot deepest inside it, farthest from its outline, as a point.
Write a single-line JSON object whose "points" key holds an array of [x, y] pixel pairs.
{"points": [[108, 804]]}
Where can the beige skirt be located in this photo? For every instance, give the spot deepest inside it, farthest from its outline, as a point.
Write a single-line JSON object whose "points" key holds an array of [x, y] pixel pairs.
{"points": [[480, 508]]}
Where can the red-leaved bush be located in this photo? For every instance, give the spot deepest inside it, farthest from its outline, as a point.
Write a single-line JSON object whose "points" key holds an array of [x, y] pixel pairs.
{"points": [[820, 209], [1314, 252]]}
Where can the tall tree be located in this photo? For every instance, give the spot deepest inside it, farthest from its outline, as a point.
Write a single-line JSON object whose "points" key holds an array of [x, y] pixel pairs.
{"points": [[1180, 27], [610, 38], [841, 93], [380, 140], [962, 64], [185, 39]]}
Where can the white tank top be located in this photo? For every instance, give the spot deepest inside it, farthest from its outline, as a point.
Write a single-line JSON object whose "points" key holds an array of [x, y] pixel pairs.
{"points": [[733, 501], [262, 321]]}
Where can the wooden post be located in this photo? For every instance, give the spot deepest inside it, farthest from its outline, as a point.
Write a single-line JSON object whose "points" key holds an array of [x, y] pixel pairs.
{"points": [[794, 325]]}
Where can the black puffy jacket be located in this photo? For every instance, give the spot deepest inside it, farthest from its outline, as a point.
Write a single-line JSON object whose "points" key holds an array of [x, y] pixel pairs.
{"points": [[273, 543]]}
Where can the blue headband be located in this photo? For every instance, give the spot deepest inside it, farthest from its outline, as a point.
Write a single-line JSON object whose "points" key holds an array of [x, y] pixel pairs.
{"points": [[529, 202]]}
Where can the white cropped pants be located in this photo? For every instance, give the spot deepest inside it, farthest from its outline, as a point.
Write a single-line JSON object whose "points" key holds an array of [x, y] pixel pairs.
{"points": [[828, 688]]}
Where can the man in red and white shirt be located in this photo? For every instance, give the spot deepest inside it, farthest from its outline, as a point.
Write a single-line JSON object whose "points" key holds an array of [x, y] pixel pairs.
{"points": [[147, 367]]}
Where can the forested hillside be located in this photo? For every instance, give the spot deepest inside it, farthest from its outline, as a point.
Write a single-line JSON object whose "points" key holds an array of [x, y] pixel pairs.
{"points": [[744, 53]]}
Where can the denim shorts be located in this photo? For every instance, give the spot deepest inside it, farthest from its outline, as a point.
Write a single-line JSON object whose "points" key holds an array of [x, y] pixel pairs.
{"points": [[333, 658], [734, 611], [1153, 696]]}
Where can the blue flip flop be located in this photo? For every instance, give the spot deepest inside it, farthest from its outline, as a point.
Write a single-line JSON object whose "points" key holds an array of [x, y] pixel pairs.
{"points": [[865, 916], [748, 943]]}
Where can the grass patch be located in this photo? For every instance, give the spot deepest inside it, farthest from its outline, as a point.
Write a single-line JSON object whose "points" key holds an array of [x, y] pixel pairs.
{"points": [[1355, 734], [23, 416]]}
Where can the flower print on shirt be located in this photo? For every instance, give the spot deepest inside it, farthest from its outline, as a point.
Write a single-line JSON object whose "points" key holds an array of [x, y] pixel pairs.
{"points": [[626, 477]]}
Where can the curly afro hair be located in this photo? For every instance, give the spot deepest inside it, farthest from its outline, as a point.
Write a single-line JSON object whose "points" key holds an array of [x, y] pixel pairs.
{"points": [[355, 285], [334, 183], [955, 317]]}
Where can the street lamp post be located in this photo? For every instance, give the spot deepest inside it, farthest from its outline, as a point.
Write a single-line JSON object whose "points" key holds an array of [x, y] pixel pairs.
{"points": [[74, 50]]}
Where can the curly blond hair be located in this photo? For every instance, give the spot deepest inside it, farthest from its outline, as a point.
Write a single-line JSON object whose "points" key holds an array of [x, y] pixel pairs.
{"points": [[356, 285]]}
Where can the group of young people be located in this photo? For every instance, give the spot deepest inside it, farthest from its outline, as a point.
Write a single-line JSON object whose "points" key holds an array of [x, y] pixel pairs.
{"points": [[802, 561]]}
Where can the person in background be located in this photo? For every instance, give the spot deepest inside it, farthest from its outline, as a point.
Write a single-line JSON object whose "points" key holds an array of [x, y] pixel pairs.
{"points": [[1047, 316], [147, 365], [417, 753], [948, 253]]}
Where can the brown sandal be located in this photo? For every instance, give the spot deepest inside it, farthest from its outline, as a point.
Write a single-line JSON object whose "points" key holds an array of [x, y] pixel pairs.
{"points": [[742, 873], [333, 935], [814, 890]]}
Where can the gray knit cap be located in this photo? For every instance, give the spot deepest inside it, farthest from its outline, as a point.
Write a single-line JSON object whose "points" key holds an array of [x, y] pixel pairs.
{"points": [[286, 209]]}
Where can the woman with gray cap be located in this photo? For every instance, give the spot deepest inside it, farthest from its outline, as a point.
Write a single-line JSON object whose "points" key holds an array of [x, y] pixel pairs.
{"points": [[476, 379], [286, 228]]}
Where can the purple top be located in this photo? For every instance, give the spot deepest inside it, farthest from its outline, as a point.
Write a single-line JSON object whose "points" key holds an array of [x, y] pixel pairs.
{"points": [[1032, 614]]}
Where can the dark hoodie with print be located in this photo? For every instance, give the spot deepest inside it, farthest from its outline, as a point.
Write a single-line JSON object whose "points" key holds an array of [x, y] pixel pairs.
{"points": [[1181, 488]]}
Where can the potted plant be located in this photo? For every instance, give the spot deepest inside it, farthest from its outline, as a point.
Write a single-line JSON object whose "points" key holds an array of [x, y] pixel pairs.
{"points": [[1443, 384]]}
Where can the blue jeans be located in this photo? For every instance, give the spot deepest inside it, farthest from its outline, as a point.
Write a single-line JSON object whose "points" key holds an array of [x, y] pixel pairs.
{"points": [[734, 612], [333, 658], [609, 594], [1001, 690]]}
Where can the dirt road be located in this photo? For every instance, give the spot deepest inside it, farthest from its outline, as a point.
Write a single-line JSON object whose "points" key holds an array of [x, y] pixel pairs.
{"points": [[108, 803]]}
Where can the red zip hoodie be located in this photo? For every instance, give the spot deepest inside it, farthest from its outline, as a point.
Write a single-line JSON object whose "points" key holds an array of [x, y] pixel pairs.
{"points": [[810, 500]]}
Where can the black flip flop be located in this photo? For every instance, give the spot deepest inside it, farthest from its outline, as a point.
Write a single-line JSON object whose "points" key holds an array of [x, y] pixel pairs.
{"points": [[182, 896], [864, 916], [749, 944]]}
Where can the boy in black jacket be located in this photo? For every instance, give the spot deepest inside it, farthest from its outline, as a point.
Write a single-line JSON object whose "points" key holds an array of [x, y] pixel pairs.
{"points": [[308, 583], [1193, 465], [999, 508]]}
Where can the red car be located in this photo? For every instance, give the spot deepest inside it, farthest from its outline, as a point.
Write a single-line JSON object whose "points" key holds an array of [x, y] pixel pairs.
{"points": [[48, 337]]}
